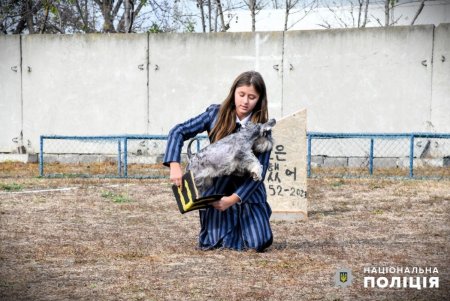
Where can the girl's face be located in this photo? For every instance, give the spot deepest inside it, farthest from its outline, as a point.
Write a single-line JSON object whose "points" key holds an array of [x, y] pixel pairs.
{"points": [[245, 99]]}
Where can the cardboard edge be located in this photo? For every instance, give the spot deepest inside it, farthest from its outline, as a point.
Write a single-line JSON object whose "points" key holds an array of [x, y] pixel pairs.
{"points": [[294, 215], [301, 111]]}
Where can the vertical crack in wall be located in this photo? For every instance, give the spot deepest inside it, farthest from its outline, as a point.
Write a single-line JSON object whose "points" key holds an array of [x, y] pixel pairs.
{"points": [[282, 72], [430, 113], [148, 81], [21, 91]]}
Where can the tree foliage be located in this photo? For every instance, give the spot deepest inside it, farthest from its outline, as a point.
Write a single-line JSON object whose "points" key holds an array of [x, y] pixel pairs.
{"points": [[90, 16], [87, 16]]}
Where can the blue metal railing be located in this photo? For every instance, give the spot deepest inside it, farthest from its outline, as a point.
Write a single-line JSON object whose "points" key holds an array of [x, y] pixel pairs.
{"points": [[123, 146], [311, 136]]}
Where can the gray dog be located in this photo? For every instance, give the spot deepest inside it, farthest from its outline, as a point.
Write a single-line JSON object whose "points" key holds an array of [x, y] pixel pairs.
{"points": [[232, 155]]}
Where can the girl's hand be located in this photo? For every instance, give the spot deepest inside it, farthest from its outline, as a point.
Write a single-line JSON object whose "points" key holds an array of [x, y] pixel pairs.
{"points": [[226, 202], [176, 174]]}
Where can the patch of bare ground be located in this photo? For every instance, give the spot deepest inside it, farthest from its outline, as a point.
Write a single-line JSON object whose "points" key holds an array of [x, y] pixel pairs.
{"points": [[112, 239]]}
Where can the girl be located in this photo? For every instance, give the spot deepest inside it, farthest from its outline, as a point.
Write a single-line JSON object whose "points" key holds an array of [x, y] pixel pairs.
{"points": [[240, 220]]}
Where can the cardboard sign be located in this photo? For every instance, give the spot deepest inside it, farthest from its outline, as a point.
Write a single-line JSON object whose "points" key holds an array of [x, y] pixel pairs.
{"points": [[286, 177]]}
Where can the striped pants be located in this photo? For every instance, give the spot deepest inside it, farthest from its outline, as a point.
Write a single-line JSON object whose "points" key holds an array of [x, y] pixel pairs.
{"points": [[242, 226]]}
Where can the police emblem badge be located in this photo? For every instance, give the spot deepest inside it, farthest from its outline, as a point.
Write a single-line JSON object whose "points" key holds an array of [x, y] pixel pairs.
{"points": [[343, 277]]}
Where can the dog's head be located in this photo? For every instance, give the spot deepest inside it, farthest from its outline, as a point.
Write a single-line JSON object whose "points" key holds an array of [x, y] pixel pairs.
{"points": [[260, 129], [264, 141], [266, 128]]}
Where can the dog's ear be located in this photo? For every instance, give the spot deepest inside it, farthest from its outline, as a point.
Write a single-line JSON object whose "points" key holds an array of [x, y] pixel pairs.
{"points": [[272, 122], [267, 127]]}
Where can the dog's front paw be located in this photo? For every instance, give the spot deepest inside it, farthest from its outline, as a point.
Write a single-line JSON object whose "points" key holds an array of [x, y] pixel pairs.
{"points": [[256, 173], [256, 177]]}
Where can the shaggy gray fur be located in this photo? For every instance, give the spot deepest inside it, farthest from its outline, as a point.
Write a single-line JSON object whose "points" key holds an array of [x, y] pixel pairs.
{"points": [[232, 155]]}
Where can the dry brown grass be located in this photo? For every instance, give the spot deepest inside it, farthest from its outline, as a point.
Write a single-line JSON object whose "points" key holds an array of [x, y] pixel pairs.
{"points": [[73, 170], [112, 239], [419, 172]]}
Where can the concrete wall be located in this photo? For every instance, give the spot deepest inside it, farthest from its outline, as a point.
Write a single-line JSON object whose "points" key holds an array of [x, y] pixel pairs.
{"points": [[10, 92], [188, 72], [84, 84], [440, 99], [369, 80]]}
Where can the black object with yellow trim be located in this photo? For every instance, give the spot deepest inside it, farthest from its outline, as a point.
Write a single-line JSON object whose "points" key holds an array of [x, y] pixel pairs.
{"points": [[188, 198]]}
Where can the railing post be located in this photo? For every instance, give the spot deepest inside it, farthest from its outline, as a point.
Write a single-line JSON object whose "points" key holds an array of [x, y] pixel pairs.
{"points": [[371, 157], [411, 156], [309, 156], [125, 157], [119, 158], [41, 157]]}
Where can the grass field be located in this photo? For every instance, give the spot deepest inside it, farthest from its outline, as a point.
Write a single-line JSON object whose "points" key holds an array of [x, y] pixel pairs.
{"points": [[116, 239]]}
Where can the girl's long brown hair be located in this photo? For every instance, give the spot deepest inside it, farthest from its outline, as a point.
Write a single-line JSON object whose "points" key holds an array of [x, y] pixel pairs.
{"points": [[226, 118]]}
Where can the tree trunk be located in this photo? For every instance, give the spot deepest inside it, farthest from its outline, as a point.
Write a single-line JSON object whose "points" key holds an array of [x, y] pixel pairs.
{"points": [[106, 6], [366, 11], [216, 17], [386, 12], [286, 16], [253, 14], [85, 16], [222, 21], [126, 15], [422, 5], [28, 10], [360, 2], [202, 14], [209, 15], [126, 22], [44, 22]]}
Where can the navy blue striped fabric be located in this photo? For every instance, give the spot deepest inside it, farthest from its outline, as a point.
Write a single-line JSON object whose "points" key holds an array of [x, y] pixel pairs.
{"points": [[187, 130], [244, 225]]}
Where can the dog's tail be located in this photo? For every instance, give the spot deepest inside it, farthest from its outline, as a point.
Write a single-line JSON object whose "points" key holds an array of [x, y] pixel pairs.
{"points": [[189, 153]]}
